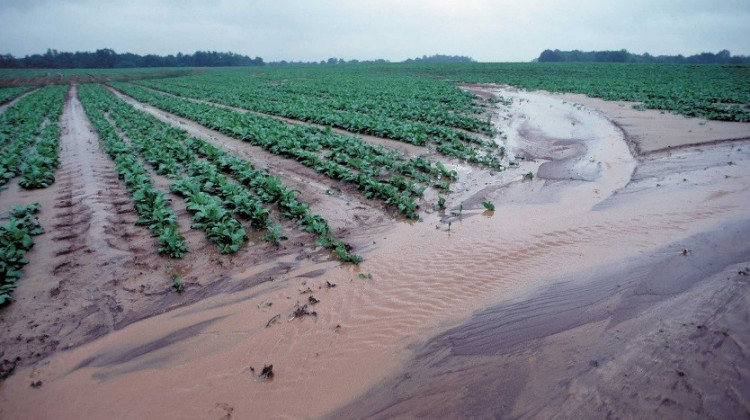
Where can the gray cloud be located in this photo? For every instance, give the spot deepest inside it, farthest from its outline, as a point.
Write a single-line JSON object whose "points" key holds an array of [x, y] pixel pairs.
{"points": [[365, 29]]}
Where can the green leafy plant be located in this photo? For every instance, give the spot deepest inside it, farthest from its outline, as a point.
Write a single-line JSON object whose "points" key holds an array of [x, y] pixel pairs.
{"points": [[177, 283], [440, 205], [16, 238], [274, 234], [488, 205]]}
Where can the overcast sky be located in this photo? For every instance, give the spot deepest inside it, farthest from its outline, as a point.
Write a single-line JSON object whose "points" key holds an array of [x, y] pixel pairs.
{"points": [[311, 30]]}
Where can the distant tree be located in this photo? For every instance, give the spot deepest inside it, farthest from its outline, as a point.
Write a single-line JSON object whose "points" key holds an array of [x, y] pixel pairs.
{"points": [[105, 58], [440, 58], [550, 56]]}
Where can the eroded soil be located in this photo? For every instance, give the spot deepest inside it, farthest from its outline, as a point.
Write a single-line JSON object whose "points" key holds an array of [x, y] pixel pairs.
{"points": [[483, 316], [95, 271]]}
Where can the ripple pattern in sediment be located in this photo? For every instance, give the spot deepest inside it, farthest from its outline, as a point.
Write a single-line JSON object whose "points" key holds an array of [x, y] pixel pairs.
{"points": [[442, 274]]}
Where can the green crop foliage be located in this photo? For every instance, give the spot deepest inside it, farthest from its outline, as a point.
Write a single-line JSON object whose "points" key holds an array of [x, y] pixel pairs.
{"points": [[219, 189], [375, 171], [177, 283], [29, 138], [716, 92], [8, 94], [16, 238], [151, 204]]}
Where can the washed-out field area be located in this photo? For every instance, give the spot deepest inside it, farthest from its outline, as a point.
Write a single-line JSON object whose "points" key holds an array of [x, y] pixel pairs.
{"points": [[487, 241]]}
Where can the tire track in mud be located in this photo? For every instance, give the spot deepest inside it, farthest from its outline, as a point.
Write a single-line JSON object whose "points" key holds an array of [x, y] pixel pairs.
{"points": [[89, 220]]}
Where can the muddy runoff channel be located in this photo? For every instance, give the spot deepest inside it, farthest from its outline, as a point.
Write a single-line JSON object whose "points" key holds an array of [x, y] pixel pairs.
{"points": [[486, 286]]}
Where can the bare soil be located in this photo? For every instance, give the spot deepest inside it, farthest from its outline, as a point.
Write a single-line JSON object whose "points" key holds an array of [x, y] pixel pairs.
{"points": [[608, 284]]}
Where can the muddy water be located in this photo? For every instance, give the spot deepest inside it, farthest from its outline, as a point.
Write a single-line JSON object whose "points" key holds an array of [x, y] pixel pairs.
{"points": [[195, 362]]}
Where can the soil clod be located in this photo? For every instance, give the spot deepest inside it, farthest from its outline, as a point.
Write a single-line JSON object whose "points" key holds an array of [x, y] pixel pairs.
{"points": [[266, 373]]}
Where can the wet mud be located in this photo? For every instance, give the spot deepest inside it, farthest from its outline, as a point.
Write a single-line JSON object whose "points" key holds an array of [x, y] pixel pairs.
{"points": [[95, 271], [577, 295], [622, 340]]}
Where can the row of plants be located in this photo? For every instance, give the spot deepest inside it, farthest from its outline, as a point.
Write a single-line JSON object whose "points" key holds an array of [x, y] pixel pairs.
{"points": [[153, 207], [402, 98], [270, 190], [16, 239], [39, 165], [7, 94], [378, 173], [165, 154], [315, 103], [358, 154], [210, 195], [29, 138]]}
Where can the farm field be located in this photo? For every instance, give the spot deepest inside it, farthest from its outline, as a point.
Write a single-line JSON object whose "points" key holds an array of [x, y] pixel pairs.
{"points": [[362, 241]]}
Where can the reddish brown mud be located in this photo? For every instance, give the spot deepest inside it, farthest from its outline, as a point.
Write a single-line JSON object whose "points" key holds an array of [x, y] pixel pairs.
{"points": [[529, 292]]}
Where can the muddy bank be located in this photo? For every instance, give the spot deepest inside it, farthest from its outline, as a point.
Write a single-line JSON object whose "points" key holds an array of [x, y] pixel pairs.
{"points": [[661, 335]]}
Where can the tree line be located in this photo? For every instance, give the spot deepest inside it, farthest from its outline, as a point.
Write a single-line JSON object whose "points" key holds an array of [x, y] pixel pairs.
{"points": [[440, 58], [623, 56], [106, 58], [437, 58]]}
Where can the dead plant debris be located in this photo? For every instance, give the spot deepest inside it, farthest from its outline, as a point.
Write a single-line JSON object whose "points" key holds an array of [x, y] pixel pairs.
{"points": [[273, 320], [302, 311]]}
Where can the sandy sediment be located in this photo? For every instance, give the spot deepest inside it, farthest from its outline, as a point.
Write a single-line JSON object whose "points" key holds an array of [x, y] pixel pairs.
{"points": [[652, 130], [590, 232], [662, 335]]}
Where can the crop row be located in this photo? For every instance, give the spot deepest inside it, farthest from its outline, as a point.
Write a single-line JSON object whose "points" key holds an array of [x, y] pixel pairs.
{"points": [[369, 120], [403, 98], [29, 138], [161, 146], [375, 171], [16, 238], [151, 204], [201, 176], [6, 94]]}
